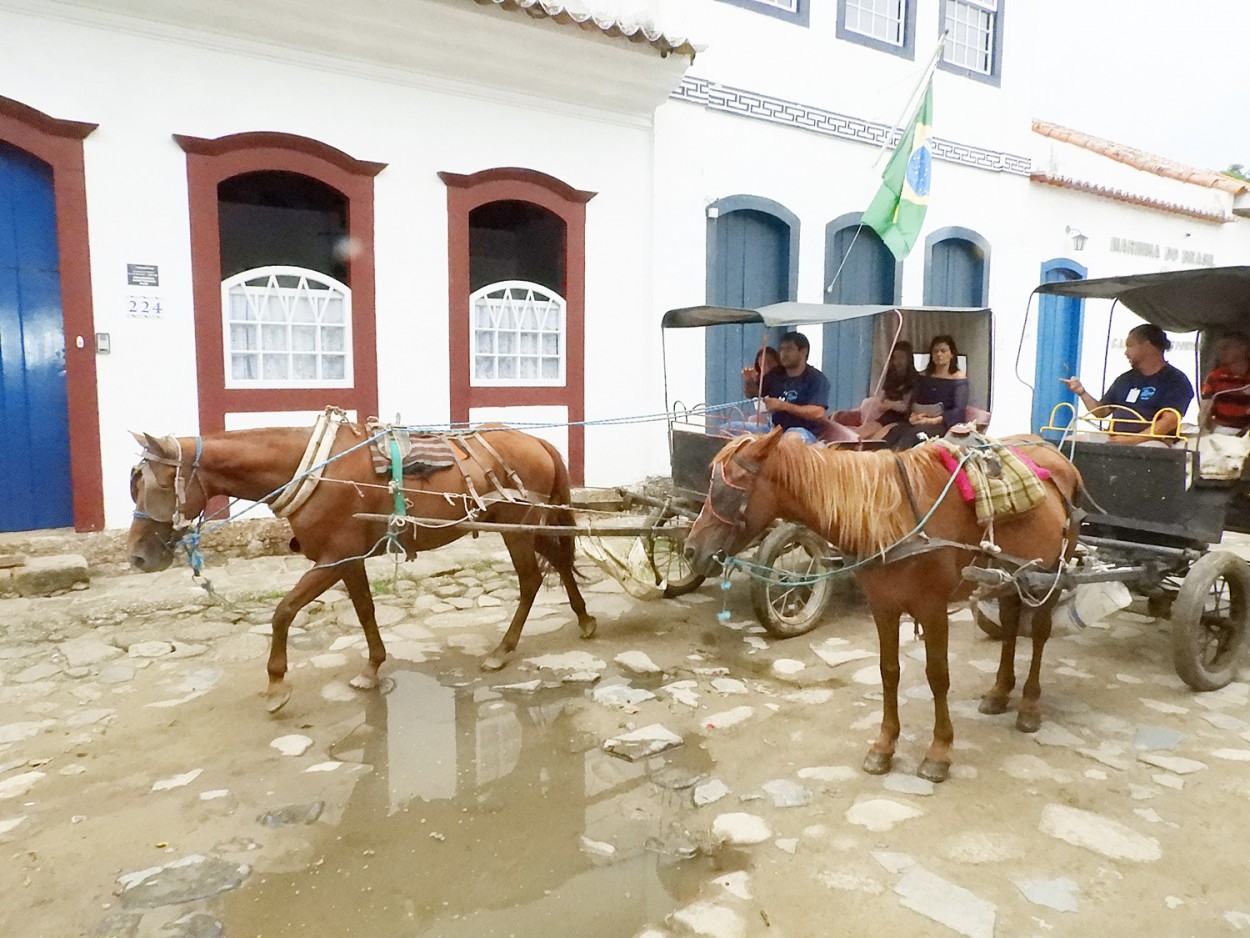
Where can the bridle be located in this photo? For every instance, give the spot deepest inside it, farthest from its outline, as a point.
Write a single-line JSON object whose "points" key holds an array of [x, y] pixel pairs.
{"points": [[168, 507], [728, 501]]}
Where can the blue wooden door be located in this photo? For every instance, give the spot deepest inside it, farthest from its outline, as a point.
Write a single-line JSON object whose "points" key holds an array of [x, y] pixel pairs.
{"points": [[35, 487], [866, 276], [751, 269], [1059, 320], [956, 274]]}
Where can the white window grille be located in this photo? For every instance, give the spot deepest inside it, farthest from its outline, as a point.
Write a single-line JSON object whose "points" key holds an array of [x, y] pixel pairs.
{"points": [[518, 335], [970, 31], [790, 6], [877, 19], [286, 327]]}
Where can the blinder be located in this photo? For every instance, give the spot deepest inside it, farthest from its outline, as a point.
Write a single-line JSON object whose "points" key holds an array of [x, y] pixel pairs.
{"points": [[728, 502], [164, 505]]}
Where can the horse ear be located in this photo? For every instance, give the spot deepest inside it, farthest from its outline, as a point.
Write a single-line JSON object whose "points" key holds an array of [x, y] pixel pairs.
{"points": [[140, 438], [166, 446], [766, 445]]}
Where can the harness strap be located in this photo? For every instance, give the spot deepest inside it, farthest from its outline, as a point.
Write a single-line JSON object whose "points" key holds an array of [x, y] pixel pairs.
{"points": [[911, 498], [516, 479], [397, 478], [470, 488], [304, 483]]}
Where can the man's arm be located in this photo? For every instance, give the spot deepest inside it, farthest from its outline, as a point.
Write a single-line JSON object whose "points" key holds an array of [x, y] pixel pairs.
{"points": [[1095, 407]]}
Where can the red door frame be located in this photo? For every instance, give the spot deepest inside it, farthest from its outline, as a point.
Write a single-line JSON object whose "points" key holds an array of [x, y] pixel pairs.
{"points": [[464, 194], [59, 144], [209, 162]]}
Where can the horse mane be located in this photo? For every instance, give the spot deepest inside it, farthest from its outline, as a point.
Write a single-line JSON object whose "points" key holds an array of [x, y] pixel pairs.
{"points": [[856, 497]]}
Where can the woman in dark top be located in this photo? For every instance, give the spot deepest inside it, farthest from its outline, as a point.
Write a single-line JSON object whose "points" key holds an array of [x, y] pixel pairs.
{"points": [[893, 401], [940, 400]]}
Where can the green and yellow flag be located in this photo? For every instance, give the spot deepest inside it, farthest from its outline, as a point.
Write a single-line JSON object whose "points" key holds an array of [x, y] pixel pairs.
{"points": [[897, 211]]}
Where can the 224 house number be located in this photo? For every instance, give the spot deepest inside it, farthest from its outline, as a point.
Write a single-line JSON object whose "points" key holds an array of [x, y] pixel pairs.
{"points": [[143, 307]]}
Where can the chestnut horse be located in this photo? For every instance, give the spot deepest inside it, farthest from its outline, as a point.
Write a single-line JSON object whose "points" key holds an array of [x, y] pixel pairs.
{"points": [[860, 503], [176, 478]]}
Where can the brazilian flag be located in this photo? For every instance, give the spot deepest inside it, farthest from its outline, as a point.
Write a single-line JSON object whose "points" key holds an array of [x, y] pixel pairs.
{"points": [[897, 210]]}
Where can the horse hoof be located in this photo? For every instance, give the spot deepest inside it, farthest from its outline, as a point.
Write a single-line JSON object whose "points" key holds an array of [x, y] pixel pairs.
{"points": [[493, 662], [878, 762], [276, 697], [934, 771], [588, 626], [990, 704], [364, 682], [1028, 722]]}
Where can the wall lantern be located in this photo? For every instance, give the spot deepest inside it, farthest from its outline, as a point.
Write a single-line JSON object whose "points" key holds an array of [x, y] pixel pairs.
{"points": [[1078, 238]]}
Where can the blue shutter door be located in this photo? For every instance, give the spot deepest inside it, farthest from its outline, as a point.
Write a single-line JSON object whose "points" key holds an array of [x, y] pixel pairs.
{"points": [[867, 277], [34, 411], [1058, 348], [752, 270]]}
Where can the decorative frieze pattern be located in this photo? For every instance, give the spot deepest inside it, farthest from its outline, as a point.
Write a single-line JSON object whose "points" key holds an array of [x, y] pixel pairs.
{"points": [[717, 97]]}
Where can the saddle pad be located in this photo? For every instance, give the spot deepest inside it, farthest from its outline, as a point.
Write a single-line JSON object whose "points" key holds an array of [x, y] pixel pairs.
{"points": [[420, 456], [998, 480]]}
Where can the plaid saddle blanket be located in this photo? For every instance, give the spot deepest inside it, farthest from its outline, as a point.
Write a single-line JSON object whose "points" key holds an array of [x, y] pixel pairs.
{"points": [[420, 455], [997, 479]]}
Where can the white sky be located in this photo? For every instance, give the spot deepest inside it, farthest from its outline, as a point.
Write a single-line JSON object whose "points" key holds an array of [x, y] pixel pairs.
{"points": [[1164, 76]]}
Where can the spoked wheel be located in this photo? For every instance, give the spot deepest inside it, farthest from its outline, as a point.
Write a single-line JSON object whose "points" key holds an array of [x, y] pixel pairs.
{"points": [[668, 563], [791, 599], [1209, 619]]}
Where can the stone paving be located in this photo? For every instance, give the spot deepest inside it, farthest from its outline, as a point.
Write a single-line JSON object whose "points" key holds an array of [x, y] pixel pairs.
{"points": [[1124, 814]]}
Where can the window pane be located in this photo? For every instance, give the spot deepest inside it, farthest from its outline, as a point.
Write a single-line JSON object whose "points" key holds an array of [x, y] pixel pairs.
{"points": [[333, 310], [551, 368], [304, 367], [484, 367], [271, 310], [529, 343], [273, 338], [529, 368], [302, 310], [273, 367], [507, 368], [243, 337], [333, 339], [243, 367], [507, 343], [485, 341], [551, 344], [333, 367], [304, 338]]}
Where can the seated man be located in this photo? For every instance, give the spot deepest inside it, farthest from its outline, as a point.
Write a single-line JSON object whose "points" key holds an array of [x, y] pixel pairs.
{"points": [[795, 393], [1150, 386], [1226, 392]]}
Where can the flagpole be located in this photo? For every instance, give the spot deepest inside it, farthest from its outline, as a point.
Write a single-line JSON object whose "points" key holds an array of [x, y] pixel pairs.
{"points": [[915, 99]]}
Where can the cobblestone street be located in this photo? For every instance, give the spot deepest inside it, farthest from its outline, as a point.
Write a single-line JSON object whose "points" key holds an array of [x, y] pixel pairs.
{"points": [[675, 775]]}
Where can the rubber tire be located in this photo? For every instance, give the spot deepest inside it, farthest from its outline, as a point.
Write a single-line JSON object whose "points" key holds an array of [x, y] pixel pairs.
{"points": [[784, 539], [670, 560], [1190, 636]]}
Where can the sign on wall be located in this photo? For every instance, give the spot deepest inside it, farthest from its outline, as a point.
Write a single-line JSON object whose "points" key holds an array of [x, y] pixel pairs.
{"points": [[143, 301]]}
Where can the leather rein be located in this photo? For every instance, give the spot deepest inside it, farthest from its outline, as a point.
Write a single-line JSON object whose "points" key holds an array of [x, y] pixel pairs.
{"points": [[170, 507]]}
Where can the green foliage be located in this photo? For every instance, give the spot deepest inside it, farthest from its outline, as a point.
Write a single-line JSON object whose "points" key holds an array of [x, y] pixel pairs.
{"points": [[1237, 171]]}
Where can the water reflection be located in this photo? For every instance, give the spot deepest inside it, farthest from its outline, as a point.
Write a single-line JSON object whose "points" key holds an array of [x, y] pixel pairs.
{"points": [[472, 824]]}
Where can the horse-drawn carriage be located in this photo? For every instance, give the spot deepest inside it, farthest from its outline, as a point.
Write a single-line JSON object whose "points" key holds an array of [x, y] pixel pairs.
{"points": [[1155, 512], [792, 582]]}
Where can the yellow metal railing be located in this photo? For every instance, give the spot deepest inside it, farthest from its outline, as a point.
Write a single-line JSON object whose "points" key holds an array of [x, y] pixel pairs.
{"points": [[1109, 424]]}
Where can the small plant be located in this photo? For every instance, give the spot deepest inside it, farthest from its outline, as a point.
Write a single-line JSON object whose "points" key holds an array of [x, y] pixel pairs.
{"points": [[382, 587]]}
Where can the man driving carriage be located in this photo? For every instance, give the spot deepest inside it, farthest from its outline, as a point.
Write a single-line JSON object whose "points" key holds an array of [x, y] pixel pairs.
{"points": [[1148, 388]]}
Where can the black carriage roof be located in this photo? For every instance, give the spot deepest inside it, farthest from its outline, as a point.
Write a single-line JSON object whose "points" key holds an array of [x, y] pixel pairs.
{"points": [[1179, 300], [788, 314]]}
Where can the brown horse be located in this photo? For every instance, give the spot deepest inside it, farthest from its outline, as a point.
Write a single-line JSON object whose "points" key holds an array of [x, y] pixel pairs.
{"points": [[176, 478], [860, 503]]}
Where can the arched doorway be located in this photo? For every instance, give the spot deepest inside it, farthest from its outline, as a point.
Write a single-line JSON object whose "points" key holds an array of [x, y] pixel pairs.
{"points": [[1059, 325], [517, 285], [49, 412], [753, 258], [859, 269], [957, 268]]}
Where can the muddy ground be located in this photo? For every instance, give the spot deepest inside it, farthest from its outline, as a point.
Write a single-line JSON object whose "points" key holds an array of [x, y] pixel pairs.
{"points": [[145, 791]]}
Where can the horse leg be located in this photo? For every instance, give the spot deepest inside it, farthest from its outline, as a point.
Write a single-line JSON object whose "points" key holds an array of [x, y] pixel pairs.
{"points": [[356, 579], [1029, 719], [995, 701], [311, 585], [879, 757], [529, 578], [586, 623], [936, 766]]}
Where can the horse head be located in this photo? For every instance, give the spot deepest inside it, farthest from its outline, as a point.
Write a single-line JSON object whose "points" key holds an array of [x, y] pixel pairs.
{"points": [[165, 504], [740, 503]]}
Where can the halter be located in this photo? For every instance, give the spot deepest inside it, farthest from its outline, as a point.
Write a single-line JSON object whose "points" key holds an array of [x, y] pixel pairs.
{"points": [[728, 502], [173, 513]]}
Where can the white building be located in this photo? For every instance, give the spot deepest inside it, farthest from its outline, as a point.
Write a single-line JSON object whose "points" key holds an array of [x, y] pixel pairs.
{"points": [[232, 217]]}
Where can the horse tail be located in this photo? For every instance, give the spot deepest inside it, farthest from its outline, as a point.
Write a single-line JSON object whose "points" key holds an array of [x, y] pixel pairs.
{"points": [[558, 551]]}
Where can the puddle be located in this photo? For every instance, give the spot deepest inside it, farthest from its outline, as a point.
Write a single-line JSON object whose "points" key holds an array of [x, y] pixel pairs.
{"points": [[472, 824]]}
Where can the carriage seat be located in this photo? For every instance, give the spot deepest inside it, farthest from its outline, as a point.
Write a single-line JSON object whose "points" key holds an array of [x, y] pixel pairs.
{"points": [[868, 410]]}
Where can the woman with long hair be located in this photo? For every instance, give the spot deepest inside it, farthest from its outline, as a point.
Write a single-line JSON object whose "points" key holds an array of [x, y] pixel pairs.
{"points": [[940, 400]]}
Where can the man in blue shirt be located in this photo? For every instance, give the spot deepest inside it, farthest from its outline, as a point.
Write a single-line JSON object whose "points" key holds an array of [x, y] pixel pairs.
{"points": [[1150, 386], [795, 393]]}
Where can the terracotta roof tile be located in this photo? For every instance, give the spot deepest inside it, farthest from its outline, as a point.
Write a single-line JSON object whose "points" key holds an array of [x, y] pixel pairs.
{"points": [[1140, 159], [608, 26], [1119, 195]]}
